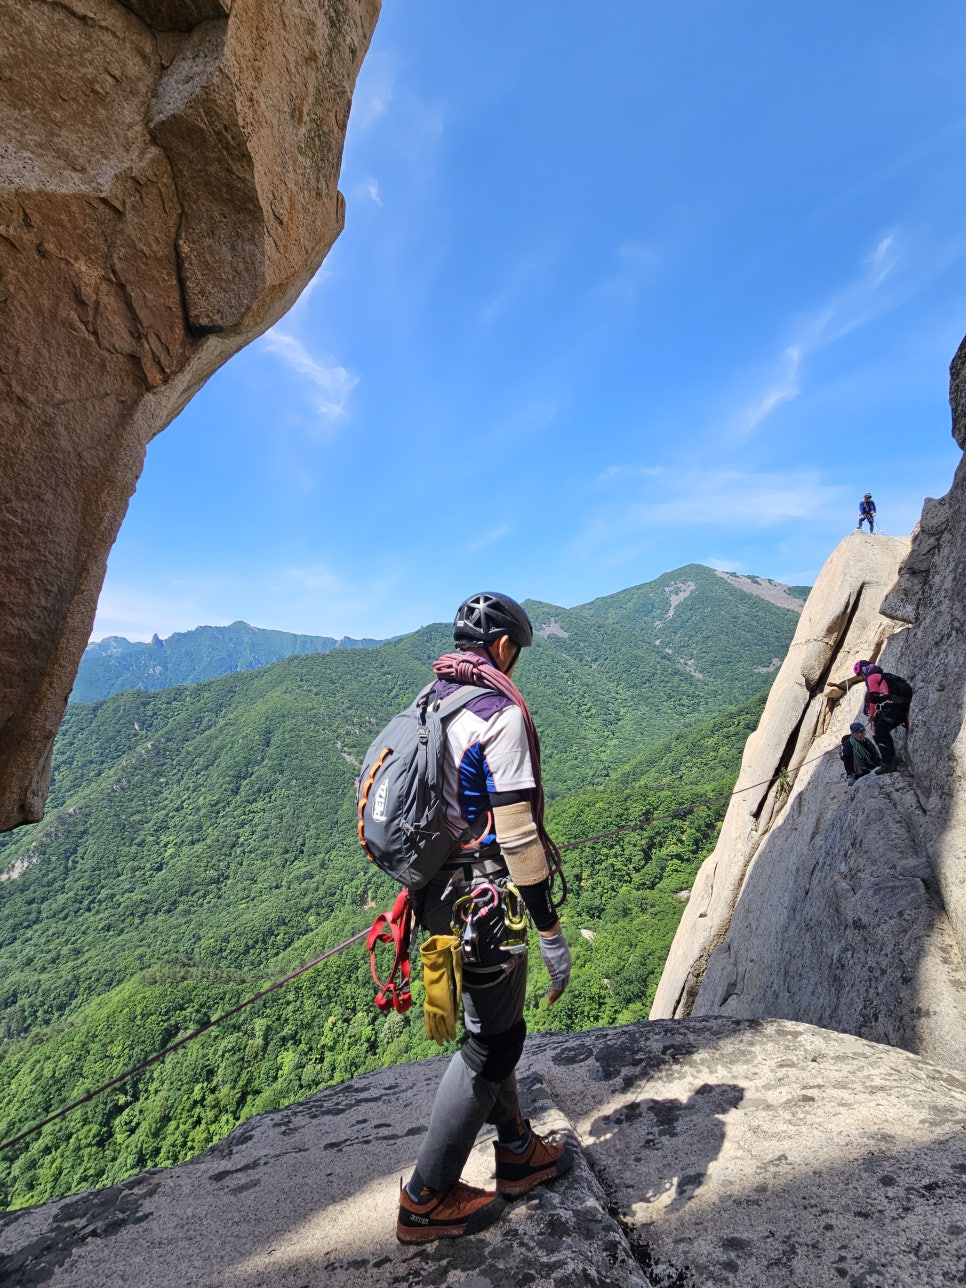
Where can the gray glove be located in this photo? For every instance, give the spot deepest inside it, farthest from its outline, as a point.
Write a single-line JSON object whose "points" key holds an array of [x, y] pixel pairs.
{"points": [[556, 957]]}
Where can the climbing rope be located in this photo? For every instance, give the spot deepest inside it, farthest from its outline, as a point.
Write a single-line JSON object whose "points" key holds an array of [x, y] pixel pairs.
{"points": [[190, 1037], [146, 1064], [687, 809]]}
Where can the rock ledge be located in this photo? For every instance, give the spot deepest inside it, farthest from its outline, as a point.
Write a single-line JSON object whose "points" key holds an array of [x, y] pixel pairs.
{"points": [[712, 1152]]}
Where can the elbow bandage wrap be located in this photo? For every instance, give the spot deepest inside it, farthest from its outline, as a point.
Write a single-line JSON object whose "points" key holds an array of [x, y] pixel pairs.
{"points": [[519, 840]]}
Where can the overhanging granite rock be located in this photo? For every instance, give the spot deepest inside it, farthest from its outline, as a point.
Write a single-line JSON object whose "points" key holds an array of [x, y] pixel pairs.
{"points": [[168, 185]]}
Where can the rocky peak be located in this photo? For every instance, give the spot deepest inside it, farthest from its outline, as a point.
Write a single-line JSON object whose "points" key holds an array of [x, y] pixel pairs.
{"points": [[772, 591], [846, 907]]}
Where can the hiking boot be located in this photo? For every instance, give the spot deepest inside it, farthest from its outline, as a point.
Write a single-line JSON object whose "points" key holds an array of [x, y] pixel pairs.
{"points": [[517, 1174], [887, 767], [460, 1210]]}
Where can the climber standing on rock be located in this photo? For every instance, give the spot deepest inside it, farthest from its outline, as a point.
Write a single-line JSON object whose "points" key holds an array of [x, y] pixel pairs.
{"points": [[493, 795], [867, 512], [860, 755], [887, 700]]}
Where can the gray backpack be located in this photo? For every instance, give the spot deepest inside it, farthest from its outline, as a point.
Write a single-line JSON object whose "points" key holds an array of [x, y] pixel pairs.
{"points": [[399, 791]]}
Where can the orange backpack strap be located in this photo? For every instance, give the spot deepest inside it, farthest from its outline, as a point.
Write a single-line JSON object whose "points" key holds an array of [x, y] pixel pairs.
{"points": [[393, 928]]}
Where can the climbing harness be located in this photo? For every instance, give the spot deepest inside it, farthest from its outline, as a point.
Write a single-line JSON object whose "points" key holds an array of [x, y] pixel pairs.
{"points": [[498, 899], [394, 928]]}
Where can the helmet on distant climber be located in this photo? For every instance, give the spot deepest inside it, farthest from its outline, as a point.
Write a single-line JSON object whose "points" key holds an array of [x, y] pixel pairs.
{"points": [[483, 618], [860, 667]]}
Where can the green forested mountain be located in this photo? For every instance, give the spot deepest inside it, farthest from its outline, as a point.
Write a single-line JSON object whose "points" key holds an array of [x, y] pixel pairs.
{"points": [[623, 672], [189, 657], [199, 843], [683, 615]]}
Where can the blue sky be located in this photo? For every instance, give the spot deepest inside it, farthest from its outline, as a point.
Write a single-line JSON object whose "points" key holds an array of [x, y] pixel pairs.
{"points": [[622, 287]]}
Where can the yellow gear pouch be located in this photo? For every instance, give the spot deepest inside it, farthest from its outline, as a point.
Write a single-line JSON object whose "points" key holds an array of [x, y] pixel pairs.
{"points": [[442, 959]]}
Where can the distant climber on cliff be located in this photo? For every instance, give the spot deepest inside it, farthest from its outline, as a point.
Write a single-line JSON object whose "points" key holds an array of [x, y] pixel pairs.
{"points": [[887, 699], [867, 512], [860, 755]]}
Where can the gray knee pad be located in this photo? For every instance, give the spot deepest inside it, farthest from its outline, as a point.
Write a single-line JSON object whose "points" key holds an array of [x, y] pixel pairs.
{"points": [[495, 1058]]}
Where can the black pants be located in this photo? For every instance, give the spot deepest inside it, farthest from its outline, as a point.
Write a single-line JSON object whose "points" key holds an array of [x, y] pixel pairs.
{"points": [[479, 1085], [886, 719]]}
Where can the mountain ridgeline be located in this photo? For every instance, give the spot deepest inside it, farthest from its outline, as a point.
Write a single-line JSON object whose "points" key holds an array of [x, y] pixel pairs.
{"points": [[188, 657], [200, 842]]}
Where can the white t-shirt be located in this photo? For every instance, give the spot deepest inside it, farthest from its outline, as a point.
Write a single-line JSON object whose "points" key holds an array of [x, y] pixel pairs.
{"points": [[488, 752]]}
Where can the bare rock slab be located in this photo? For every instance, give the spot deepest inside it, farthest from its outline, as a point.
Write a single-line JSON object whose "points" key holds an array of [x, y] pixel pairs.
{"points": [[711, 1152], [774, 1153]]}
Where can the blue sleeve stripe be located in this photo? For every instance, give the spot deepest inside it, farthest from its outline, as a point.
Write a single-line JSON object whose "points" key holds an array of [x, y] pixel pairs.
{"points": [[475, 782]]}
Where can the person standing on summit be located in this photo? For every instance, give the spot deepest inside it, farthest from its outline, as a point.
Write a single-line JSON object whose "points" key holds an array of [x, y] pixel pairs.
{"points": [[867, 512], [493, 795]]}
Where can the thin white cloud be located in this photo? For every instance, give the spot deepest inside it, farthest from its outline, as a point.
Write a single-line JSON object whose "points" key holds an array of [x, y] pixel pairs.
{"points": [[620, 289], [321, 275], [637, 254], [312, 599], [857, 304], [137, 614], [883, 259], [372, 191], [487, 539], [526, 277], [742, 501], [529, 418], [334, 382], [314, 577], [784, 389], [374, 90], [318, 600], [629, 472], [723, 563], [374, 106], [845, 311]]}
